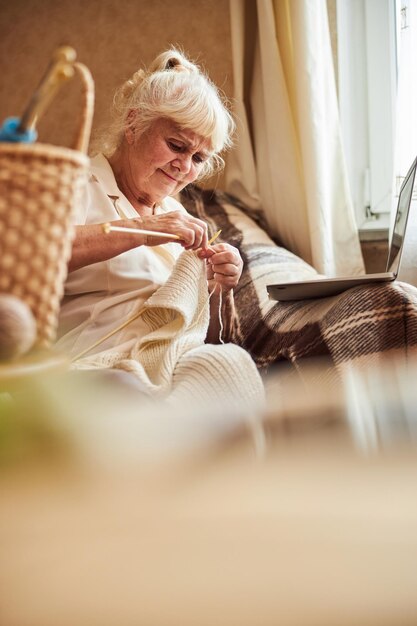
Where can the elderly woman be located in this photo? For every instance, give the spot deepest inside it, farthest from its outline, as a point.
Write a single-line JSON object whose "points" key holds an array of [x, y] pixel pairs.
{"points": [[135, 301]]}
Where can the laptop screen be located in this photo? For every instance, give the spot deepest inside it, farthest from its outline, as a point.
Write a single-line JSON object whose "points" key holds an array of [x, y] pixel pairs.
{"points": [[403, 208]]}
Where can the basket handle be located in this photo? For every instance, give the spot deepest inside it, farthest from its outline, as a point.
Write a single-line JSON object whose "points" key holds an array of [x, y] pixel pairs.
{"points": [[60, 69], [82, 138]]}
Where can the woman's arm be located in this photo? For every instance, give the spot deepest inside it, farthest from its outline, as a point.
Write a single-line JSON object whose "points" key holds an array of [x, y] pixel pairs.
{"points": [[92, 244]]}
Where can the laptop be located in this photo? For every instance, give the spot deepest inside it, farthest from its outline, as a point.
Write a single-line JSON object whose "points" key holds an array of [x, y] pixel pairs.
{"points": [[322, 287]]}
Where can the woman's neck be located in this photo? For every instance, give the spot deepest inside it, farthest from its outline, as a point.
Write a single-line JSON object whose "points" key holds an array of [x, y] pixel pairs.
{"points": [[143, 204]]}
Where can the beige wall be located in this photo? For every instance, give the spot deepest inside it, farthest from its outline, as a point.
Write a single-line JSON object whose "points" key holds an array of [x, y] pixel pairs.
{"points": [[113, 38]]}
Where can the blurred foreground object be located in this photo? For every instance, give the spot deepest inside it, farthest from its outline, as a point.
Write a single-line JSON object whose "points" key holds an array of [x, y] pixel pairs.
{"points": [[40, 187], [17, 327], [157, 515]]}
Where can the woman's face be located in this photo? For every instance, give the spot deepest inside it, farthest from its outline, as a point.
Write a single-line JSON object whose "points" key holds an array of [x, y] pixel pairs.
{"points": [[163, 160]]}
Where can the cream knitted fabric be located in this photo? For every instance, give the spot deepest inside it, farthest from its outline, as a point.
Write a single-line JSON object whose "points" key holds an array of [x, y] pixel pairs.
{"points": [[172, 358]]}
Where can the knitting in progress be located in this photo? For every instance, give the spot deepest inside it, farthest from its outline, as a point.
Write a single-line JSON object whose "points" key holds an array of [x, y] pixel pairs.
{"points": [[172, 360]]}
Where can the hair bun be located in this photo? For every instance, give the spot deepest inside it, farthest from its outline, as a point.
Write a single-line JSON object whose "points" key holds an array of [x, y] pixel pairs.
{"points": [[174, 88], [172, 63], [173, 59]]}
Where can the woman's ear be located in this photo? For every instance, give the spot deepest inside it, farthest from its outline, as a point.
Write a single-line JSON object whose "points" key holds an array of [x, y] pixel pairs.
{"points": [[130, 126]]}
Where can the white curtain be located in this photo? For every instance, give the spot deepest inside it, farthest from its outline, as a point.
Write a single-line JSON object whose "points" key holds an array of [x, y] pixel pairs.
{"points": [[288, 161]]}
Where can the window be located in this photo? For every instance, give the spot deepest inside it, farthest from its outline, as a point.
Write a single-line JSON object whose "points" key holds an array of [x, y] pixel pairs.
{"points": [[367, 83], [406, 120]]}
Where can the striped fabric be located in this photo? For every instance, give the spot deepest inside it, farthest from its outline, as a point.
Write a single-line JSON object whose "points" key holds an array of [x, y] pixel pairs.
{"points": [[361, 325]]}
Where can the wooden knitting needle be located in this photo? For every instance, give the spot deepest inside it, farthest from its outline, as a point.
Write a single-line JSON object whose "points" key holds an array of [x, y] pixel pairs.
{"points": [[213, 239], [108, 228]]}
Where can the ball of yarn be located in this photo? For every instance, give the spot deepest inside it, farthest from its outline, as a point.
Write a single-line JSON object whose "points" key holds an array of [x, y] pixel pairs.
{"points": [[17, 327]]}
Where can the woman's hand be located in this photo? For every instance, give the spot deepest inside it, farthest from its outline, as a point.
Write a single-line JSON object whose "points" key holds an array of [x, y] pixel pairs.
{"points": [[224, 266], [192, 232], [93, 245]]}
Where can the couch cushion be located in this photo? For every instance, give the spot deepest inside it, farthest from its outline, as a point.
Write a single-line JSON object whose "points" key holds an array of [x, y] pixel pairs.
{"points": [[358, 325]]}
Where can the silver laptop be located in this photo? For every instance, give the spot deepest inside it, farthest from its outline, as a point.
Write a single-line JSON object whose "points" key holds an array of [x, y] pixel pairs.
{"points": [[321, 287]]}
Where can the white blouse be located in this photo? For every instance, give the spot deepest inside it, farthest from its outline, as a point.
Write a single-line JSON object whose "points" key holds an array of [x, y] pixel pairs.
{"points": [[101, 296]]}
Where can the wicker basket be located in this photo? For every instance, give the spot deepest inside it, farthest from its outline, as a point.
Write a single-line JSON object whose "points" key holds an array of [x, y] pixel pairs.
{"points": [[40, 186]]}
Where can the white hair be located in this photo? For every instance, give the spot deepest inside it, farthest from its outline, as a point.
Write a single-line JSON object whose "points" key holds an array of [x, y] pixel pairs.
{"points": [[174, 88]]}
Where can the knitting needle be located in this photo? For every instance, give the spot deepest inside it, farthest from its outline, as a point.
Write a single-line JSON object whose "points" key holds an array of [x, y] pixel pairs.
{"points": [[107, 228], [110, 334], [213, 239]]}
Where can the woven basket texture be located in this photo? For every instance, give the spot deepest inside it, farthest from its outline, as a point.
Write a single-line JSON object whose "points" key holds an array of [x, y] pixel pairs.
{"points": [[40, 187]]}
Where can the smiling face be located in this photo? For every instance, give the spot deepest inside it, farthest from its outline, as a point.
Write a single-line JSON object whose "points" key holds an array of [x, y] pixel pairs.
{"points": [[160, 162]]}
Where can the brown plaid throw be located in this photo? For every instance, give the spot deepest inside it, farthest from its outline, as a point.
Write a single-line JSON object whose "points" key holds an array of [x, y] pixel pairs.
{"points": [[361, 324]]}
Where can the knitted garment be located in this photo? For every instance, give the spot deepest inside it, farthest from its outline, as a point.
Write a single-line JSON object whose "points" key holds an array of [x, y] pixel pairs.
{"points": [[172, 360]]}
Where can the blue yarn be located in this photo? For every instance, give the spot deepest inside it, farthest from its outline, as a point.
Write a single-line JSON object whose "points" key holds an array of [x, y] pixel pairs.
{"points": [[9, 132]]}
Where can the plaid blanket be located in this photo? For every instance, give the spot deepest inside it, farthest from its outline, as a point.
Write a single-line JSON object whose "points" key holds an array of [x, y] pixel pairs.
{"points": [[362, 324]]}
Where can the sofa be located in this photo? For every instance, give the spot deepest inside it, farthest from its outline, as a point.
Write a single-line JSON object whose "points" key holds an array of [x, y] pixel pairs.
{"points": [[359, 326]]}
